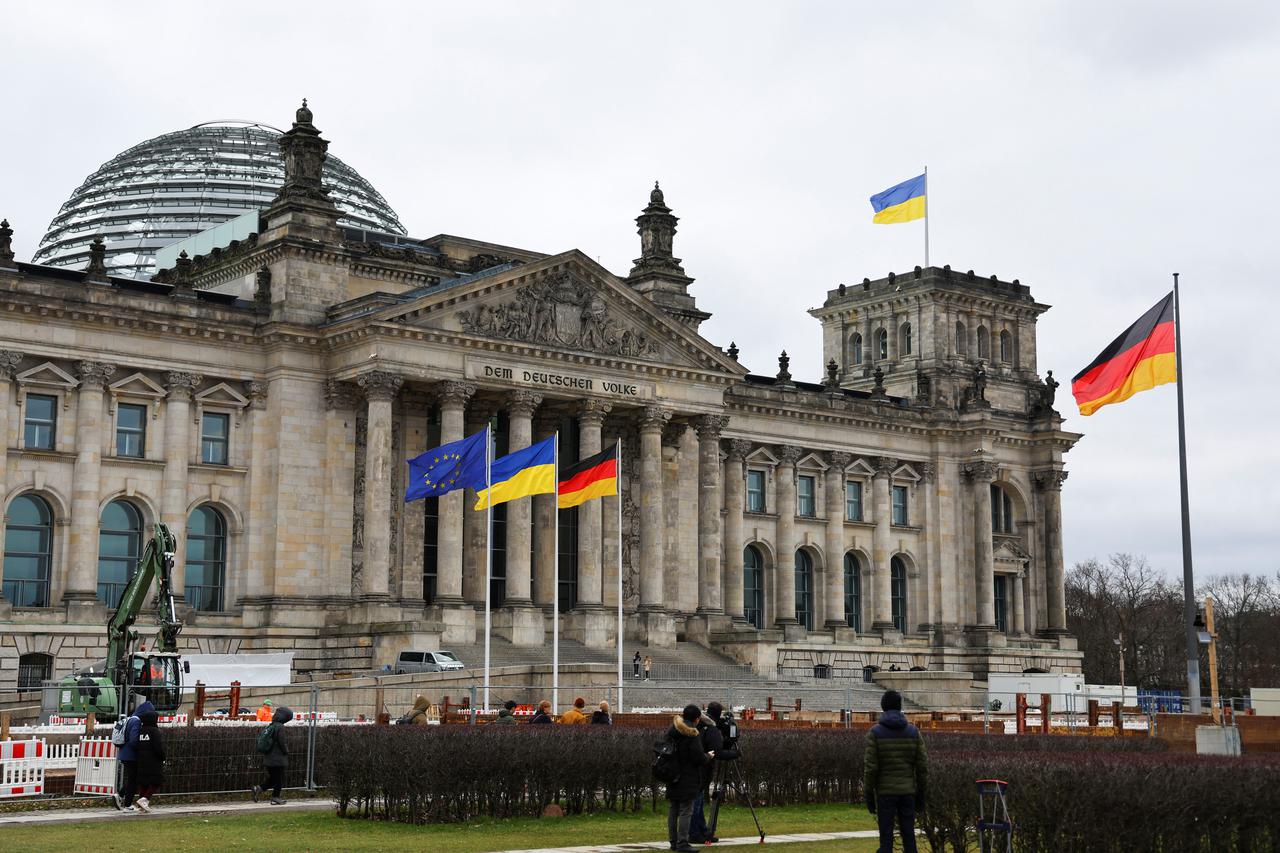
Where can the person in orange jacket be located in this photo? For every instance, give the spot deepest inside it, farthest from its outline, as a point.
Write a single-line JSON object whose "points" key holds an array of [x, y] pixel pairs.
{"points": [[575, 715], [265, 712]]}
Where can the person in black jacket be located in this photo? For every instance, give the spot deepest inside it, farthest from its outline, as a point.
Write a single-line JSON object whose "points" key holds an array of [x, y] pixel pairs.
{"points": [[601, 717], [713, 743], [543, 714], [691, 759], [276, 759], [150, 751]]}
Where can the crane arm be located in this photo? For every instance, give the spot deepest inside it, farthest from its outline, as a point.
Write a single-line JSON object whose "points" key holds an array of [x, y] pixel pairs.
{"points": [[157, 562]]}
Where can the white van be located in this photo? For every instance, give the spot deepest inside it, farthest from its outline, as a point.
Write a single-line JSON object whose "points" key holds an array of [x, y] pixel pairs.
{"points": [[417, 661]]}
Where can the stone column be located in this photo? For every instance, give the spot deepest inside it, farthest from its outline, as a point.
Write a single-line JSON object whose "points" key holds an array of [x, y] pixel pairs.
{"points": [[591, 415], [1050, 483], [709, 541], [656, 626], [734, 506], [1019, 612], [520, 407], [881, 578], [415, 411], [926, 586], [82, 581], [177, 454], [834, 546], [380, 388], [544, 541], [784, 577], [609, 530], [9, 361], [473, 521], [340, 442], [980, 475], [452, 397]]}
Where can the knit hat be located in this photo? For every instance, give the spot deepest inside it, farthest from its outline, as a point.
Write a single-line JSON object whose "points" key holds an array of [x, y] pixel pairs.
{"points": [[891, 701], [691, 714]]}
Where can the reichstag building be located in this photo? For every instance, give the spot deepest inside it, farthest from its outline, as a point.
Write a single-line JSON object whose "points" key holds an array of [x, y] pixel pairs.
{"points": [[259, 383]]}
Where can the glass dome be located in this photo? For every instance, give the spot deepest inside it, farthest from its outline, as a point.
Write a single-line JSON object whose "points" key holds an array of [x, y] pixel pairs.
{"points": [[176, 185]]}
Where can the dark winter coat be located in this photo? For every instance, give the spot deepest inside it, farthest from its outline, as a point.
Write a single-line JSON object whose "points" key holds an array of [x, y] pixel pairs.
{"points": [[128, 752], [542, 717], [150, 751], [712, 741], [278, 755], [600, 718], [506, 718], [690, 757], [895, 760]]}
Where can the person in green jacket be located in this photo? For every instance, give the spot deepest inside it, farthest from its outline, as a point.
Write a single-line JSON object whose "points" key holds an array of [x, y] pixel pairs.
{"points": [[896, 769], [505, 717]]}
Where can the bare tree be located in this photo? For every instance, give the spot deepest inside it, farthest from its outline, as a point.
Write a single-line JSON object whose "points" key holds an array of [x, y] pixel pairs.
{"points": [[1247, 622]]}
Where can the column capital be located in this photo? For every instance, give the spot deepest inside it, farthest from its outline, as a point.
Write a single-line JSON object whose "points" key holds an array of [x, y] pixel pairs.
{"points": [[789, 454], [710, 426], [182, 384], [738, 449], [94, 374], [9, 361], [928, 470], [884, 465], [981, 471], [523, 403], [454, 393], [339, 395], [592, 412], [673, 433], [839, 460], [653, 418], [257, 394], [380, 384], [1050, 480]]}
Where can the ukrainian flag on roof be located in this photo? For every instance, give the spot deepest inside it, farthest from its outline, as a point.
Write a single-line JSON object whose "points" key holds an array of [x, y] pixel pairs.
{"points": [[901, 203], [531, 471]]}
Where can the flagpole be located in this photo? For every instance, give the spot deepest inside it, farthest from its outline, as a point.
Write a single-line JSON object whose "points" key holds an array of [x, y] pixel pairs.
{"points": [[617, 456], [555, 582], [1188, 576], [488, 555], [926, 217]]}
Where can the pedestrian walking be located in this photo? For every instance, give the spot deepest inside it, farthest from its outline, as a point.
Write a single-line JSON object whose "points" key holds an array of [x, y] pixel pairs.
{"points": [[896, 769], [690, 759], [505, 717], [418, 715], [150, 752], [543, 714], [648, 667], [635, 666], [128, 756], [575, 716], [275, 755], [601, 716]]}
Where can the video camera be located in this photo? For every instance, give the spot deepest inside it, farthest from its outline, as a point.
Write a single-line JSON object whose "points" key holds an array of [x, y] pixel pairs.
{"points": [[728, 729]]}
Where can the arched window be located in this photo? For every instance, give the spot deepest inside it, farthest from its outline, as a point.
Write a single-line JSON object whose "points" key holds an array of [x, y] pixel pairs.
{"points": [[962, 345], [804, 589], [984, 342], [882, 344], [904, 339], [28, 547], [898, 592], [206, 559], [852, 592], [1001, 511], [34, 669], [1006, 347], [753, 586], [119, 549], [855, 349]]}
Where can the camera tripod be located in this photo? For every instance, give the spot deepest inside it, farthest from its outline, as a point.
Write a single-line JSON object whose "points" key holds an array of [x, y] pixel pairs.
{"points": [[722, 781]]}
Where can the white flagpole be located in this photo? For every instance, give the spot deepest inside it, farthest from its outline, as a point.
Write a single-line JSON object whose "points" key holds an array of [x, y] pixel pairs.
{"points": [[488, 556], [555, 583], [926, 217], [617, 454]]}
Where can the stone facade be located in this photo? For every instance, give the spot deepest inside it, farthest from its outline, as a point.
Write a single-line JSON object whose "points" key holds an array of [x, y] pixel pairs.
{"points": [[904, 512]]}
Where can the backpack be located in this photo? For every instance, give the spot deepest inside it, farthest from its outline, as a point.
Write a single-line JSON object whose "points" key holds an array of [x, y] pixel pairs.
{"points": [[118, 730], [408, 717], [666, 764], [266, 740]]}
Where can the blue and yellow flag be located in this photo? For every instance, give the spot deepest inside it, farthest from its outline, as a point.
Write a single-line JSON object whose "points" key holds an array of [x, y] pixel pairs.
{"points": [[531, 471], [902, 203], [456, 465]]}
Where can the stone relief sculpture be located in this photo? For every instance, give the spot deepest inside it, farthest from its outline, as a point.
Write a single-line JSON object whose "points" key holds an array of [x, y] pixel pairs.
{"points": [[560, 310]]}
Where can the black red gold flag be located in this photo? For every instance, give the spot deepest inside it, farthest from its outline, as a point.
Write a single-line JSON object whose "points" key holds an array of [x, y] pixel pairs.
{"points": [[1140, 359]]}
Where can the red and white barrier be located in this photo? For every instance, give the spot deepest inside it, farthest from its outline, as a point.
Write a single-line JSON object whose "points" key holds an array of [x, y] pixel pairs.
{"points": [[21, 768], [96, 767]]}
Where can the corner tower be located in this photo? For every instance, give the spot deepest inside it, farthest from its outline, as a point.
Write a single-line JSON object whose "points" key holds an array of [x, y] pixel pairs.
{"points": [[657, 274]]}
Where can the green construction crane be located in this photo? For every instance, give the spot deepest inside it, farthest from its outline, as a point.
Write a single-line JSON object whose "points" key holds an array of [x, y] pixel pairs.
{"points": [[108, 688]]}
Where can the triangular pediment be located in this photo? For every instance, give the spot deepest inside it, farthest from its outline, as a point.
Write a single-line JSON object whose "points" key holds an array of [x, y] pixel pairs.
{"points": [[48, 375], [761, 456], [1009, 551], [860, 468], [566, 302], [137, 385], [907, 473], [222, 394], [812, 462]]}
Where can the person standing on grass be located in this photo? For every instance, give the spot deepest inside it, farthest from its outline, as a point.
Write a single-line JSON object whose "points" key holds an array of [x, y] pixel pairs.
{"points": [[150, 752], [128, 755], [648, 667], [690, 759], [896, 770], [275, 755]]}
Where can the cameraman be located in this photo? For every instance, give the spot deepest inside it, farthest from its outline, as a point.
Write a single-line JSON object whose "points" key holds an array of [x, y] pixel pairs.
{"points": [[717, 737]]}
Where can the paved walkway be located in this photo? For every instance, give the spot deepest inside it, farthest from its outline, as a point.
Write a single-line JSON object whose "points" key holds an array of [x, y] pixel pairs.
{"points": [[724, 842], [159, 809]]}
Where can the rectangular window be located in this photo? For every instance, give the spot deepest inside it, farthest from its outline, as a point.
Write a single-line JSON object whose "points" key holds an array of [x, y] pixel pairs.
{"points": [[755, 491], [1002, 604], [215, 429], [853, 500], [804, 497], [41, 426], [900, 505], [131, 430]]}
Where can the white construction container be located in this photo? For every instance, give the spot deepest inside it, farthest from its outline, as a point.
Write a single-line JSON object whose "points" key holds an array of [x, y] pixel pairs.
{"points": [[1067, 690]]}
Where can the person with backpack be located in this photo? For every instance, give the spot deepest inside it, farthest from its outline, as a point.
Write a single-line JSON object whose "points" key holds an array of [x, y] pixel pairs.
{"points": [[896, 769], [275, 755], [417, 715], [713, 744], [150, 752], [679, 762], [125, 737]]}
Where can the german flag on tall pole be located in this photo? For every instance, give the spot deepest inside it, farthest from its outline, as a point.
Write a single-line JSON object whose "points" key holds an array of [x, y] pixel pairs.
{"points": [[1140, 359], [593, 477]]}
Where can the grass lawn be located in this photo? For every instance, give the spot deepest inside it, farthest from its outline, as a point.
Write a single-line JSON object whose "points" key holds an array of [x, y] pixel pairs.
{"points": [[320, 831]]}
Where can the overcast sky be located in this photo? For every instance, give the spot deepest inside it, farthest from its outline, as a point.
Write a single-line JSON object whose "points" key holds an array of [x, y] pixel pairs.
{"points": [[1088, 149]]}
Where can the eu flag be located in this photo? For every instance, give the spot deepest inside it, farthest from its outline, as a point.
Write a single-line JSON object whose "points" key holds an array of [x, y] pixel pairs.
{"points": [[457, 465]]}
